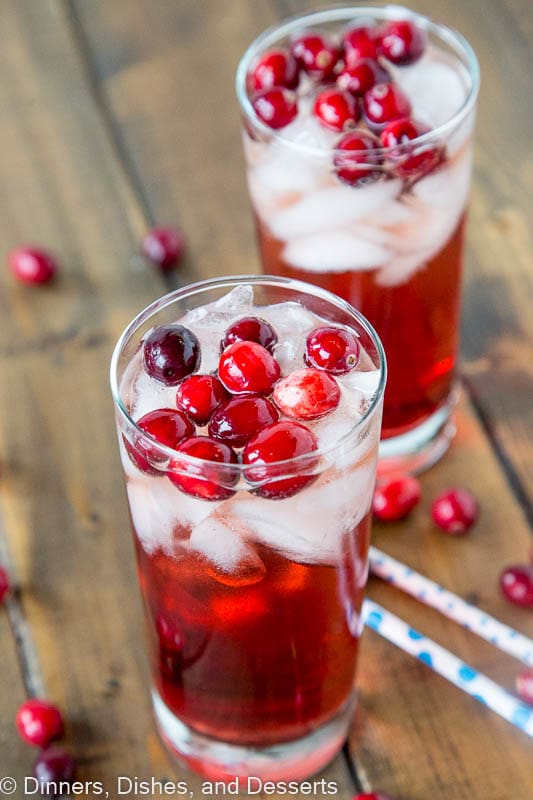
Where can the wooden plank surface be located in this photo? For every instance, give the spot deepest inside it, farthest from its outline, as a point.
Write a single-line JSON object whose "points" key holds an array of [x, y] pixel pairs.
{"points": [[153, 133]]}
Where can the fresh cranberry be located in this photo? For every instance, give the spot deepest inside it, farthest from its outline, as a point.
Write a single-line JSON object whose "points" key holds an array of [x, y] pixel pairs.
{"points": [[455, 511], [166, 425], [248, 368], [384, 103], [169, 636], [372, 796], [274, 68], [278, 442], [54, 766], [199, 395], [307, 394], [170, 352], [361, 42], [409, 161], [356, 158], [32, 265], [336, 110], [238, 419], [395, 497], [39, 723], [361, 76], [276, 107], [210, 481], [402, 42], [164, 246], [316, 55], [524, 685], [516, 583], [4, 584], [332, 349], [250, 329]]}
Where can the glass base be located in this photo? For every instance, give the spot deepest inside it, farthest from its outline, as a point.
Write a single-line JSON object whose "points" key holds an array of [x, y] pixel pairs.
{"points": [[420, 448], [288, 761]]}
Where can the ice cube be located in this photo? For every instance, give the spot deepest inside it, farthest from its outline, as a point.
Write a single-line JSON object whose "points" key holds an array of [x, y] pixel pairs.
{"points": [[150, 395], [333, 207], [335, 251], [365, 382], [436, 85], [232, 561], [447, 188], [154, 512]]}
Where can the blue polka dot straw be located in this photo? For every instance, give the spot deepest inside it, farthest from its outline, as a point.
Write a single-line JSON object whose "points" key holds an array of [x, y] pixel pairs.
{"points": [[452, 606], [446, 664]]}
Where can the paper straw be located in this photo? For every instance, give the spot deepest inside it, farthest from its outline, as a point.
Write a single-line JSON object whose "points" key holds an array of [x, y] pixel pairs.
{"points": [[447, 665], [452, 606]]}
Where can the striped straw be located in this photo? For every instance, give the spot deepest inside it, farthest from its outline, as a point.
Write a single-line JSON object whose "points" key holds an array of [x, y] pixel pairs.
{"points": [[447, 665], [452, 606]]}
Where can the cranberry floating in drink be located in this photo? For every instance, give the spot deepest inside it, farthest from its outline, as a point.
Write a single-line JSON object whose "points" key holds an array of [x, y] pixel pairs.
{"points": [[363, 190], [249, 422]]}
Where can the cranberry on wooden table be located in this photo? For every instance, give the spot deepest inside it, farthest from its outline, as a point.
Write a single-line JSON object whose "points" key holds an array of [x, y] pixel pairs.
{"points": [[32, 265], [53, 766], [516, 583], [455, 511], [4, 584], [524, 685], [39, 722], [372, 796], [170, 353], [395, 497], [164, 246]]}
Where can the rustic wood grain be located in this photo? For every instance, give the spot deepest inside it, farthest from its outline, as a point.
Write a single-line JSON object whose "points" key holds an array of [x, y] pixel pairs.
{"points": [[15, 757], [89, 160]]}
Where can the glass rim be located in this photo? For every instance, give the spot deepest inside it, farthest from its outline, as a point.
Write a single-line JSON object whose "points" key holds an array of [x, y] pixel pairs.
{"points": [[291, 24], [231, 281]]}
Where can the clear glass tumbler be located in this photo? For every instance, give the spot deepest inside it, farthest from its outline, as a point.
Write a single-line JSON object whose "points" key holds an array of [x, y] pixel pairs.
{"points": [[252, 595], [390, 241]]}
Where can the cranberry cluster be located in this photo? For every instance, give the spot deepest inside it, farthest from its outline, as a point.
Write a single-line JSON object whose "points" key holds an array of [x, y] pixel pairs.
{"points": [[357, 89], [240, 405]]}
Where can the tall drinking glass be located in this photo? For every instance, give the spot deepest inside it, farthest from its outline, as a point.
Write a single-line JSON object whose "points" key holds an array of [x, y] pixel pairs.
{"points": [[380, 225], [252, 577]]}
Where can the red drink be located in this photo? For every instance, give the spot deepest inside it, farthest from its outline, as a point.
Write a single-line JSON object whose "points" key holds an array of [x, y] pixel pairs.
{"points": [[373, 210], [252, 569]]}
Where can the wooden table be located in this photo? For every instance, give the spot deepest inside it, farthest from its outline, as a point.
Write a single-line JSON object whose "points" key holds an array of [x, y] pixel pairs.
{"points": [[119, 114]]}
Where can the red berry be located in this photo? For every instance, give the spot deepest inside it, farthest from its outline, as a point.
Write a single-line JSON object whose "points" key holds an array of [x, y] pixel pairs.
{"points": [[54, 766], [276, 107], [524, 685], [455, 511], [307, 394], [361, 42], [356, 158], [250, 329], [316, 55], [372, 796], [4, 584], [248, 368], [395, 497], [32, 265], [336, 110], [166, 425], [164, 246], [274, 68], [516, 583], [210, 481], [39, 723], [412, 160], [384, 103], [361, 76], [170, 352], [279, 442], [199, 395], [169, 636], [237, 420], [402, 42], [335, 350]]}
